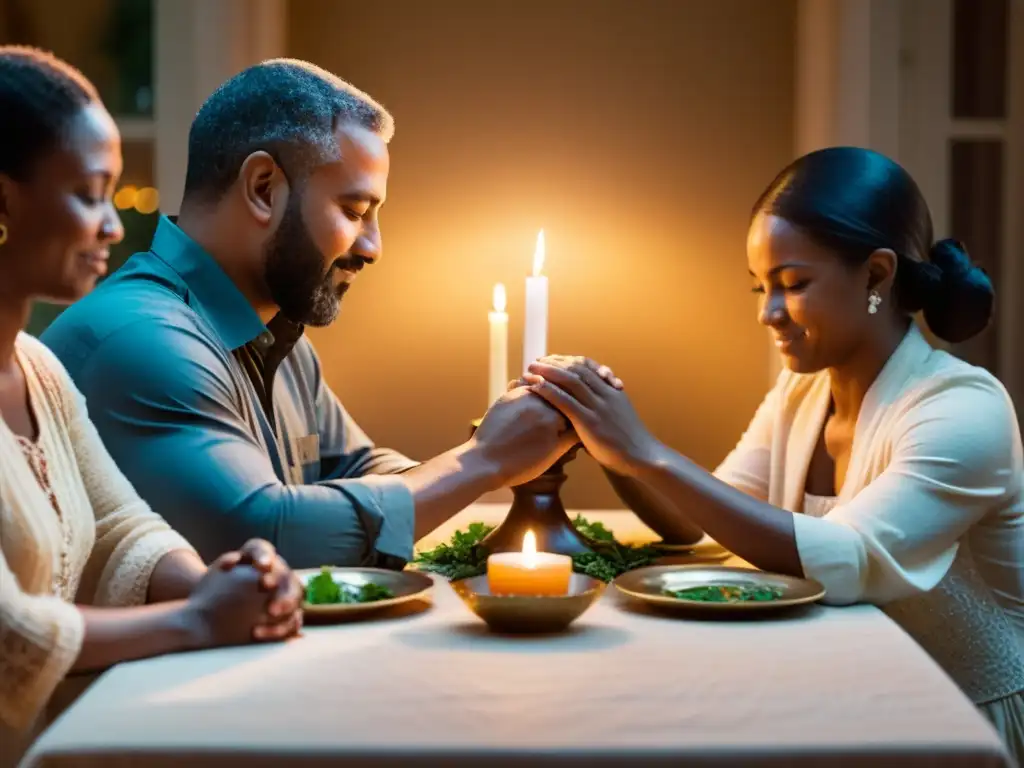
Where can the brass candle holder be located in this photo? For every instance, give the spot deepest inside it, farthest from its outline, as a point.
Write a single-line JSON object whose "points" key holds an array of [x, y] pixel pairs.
{"points": [[523, 614], [537, 506]]}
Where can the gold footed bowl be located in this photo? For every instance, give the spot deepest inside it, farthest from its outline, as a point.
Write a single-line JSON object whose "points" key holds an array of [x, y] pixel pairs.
{"points": [[519, 614]]}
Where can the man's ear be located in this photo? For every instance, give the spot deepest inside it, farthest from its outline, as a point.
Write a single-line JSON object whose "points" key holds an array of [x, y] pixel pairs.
{"points": [[264, 186]]}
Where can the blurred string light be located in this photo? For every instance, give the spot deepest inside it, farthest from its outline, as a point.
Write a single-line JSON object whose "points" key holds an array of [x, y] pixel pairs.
{"points": [[145, 200]]}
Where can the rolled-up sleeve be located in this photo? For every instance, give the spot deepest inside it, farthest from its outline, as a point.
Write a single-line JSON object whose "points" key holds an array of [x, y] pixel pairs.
{"points": [[164, 402], [955, 456]]}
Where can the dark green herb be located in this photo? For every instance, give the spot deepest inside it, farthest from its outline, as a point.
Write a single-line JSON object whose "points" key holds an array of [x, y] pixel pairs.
{"points": [[322, 589], [465, 556], [371, 593], [609, 561], [593, 531], [462, 558], [726, 593], [609, 558]]}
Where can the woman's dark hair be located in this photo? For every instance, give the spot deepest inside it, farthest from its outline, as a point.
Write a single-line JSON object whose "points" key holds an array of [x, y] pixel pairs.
{"points": [[855, 201], [39, 96]]}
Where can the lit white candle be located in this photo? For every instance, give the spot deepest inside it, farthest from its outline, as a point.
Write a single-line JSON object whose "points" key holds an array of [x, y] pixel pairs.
{"points": [[535, 330], [498, 371]]}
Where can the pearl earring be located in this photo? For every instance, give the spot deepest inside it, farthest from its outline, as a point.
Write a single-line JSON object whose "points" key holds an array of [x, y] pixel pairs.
{"points": [[873, 301]]}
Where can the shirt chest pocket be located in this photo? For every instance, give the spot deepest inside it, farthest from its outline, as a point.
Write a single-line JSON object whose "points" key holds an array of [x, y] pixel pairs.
{"points": [[306, 466]]}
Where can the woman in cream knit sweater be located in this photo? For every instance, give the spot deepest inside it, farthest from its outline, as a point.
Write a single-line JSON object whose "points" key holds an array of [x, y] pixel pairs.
{"points": [[887, 470], [89, 575]]}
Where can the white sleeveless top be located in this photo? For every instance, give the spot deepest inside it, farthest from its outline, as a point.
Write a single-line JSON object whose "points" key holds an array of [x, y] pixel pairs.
{"points": [[958, 624]]}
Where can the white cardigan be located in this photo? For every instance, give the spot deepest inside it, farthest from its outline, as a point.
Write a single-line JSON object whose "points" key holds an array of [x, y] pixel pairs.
{"points": [[930, 519], [101, 547]]}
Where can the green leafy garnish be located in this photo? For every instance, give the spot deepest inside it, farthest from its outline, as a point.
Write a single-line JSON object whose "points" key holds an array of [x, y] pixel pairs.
{"points": [[607, 562], [465, 556], [322, 589], [726, 593], [371, 593], [462, 558], [593, 531], [609, 558]]}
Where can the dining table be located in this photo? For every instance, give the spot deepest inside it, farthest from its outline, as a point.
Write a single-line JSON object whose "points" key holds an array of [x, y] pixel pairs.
{"points": [[427, 683]]}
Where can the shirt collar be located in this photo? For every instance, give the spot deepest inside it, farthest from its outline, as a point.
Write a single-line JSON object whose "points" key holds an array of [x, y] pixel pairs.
{"points": [[210, 291]]}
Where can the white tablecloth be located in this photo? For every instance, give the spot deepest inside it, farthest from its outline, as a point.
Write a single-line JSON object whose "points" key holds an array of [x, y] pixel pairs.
{"points": [[826, 686]]}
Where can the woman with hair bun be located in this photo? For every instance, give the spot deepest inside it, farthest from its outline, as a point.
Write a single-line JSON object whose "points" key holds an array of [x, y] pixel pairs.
{"points": [[887, 470]]}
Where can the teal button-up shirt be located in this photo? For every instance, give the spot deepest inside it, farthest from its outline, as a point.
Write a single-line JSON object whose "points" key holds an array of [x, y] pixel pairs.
{"points": [[164, 352]]}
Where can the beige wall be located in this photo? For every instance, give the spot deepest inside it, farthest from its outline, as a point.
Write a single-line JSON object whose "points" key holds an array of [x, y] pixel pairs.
{"points": [[73, 31], [637, 134]]}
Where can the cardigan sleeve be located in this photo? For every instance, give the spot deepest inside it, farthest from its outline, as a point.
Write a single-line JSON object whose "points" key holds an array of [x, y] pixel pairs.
{"points": [[130, 537], [955, 455], [748, 466], [40, 638]]}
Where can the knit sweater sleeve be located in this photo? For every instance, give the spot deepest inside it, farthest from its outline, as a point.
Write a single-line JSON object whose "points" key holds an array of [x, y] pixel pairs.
{"points": [[130, 537], [40, 638]]}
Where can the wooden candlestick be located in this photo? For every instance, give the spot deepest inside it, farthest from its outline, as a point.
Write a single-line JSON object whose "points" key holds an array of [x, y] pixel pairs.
{"points": [[537, 506]]}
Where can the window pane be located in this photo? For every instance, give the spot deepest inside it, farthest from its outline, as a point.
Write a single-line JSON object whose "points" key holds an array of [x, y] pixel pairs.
{"points": [[111, 41], [980, 32], [976, 218]]}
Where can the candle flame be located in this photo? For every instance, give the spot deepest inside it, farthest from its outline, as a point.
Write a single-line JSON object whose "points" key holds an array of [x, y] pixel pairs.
{"points": [[499, 298], [538, 255], [530, 549]]}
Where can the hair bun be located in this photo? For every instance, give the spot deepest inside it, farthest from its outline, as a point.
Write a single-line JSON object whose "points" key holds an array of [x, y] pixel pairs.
{"points": [[957, 295]]}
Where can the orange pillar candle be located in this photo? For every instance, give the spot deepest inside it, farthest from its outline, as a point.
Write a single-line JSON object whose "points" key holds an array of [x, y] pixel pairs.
{"points": [[529, 573]]}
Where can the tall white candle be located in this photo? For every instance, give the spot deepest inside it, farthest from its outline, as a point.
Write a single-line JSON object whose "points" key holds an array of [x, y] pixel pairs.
{"points": [[497, 378], [535, 330]]}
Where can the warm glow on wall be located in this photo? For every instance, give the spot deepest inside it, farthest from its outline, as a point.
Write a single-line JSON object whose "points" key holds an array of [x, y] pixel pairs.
{"points": [[543, 121]]}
